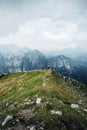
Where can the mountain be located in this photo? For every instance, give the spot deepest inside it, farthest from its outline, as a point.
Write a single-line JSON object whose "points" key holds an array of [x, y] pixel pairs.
{"points": [[81, 60], [33, 60], [62, 61], [14, 59], [42, 99], [66, 66], [78, 55], [11, 58]]}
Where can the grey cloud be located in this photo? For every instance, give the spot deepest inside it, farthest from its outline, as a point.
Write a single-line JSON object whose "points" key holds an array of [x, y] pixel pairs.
{"points": [[62, 14]]}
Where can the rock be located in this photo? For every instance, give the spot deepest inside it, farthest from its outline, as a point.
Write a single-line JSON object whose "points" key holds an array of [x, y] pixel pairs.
{"points": [[28, 127], [28, 103], [19, 127], [56, 112], [85, 110], [8, 118], [41, 128], [26, 99], [74, 106], [79, 111], [10, 128], [53, 112], [42, 124], [26, 114], [80, 101], [82, 114], [12, 106], [59, 113], [32, 128], [44, 84], [38, 101], [13, 123], [7, 104], [36, 96], [17, 120]]}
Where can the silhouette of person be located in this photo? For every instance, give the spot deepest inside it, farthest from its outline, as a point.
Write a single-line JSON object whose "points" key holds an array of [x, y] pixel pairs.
{"points": [[48, 66]]}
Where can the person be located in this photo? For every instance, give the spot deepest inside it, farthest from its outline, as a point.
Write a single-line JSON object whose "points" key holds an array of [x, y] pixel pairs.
{"points": [[48, 66]]}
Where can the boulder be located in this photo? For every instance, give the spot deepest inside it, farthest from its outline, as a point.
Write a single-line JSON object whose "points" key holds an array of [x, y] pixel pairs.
{"points": [[8, 118], [74, 106], [38, 101]]}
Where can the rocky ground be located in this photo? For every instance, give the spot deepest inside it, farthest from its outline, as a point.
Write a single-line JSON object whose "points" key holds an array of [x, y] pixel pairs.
{"points": [[42, 100]]}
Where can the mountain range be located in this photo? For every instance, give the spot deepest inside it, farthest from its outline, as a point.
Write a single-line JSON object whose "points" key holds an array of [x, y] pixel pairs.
{"points": [[14, 59]]}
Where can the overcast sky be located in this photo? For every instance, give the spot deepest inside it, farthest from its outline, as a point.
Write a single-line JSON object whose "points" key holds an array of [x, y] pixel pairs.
{"points": [[44, 24]]}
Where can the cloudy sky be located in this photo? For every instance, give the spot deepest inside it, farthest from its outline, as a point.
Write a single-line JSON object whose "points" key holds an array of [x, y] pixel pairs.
{"points": [[44, 24]]}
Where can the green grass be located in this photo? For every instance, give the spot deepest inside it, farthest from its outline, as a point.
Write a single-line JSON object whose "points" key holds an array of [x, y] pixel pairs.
{"points": [[56, 94]]}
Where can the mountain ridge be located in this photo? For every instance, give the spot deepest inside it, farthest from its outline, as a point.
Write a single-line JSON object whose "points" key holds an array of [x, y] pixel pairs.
{"points": [[43, 100]]}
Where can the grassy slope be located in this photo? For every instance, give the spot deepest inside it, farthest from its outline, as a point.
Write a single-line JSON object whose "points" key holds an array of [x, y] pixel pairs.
{"points": [[56, 94]]}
